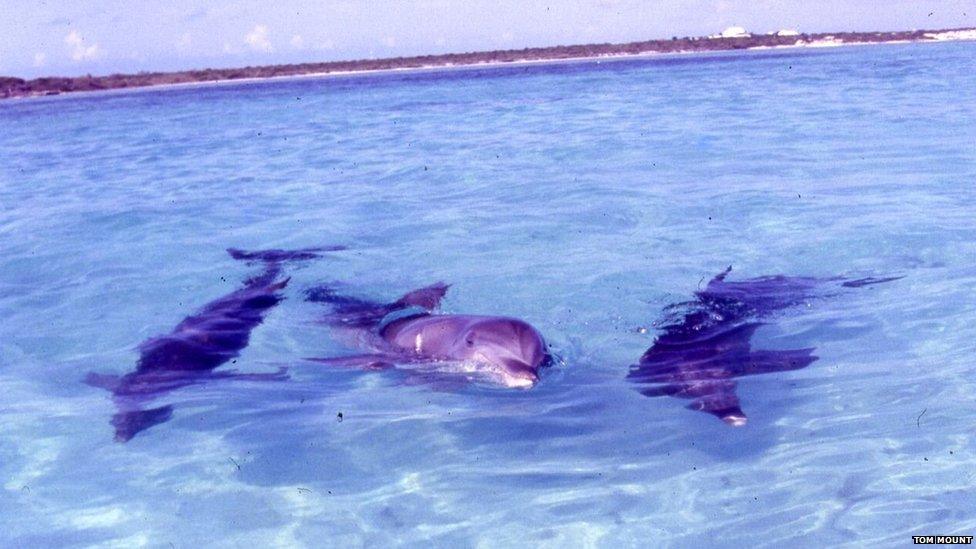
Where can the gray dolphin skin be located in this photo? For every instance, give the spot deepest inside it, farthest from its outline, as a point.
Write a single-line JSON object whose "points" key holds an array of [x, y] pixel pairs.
{"points": [[501, 350], [705, 344], [190, 353]]}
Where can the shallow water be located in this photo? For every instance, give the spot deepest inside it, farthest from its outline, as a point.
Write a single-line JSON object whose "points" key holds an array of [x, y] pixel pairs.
{"points": [[581, 197]]}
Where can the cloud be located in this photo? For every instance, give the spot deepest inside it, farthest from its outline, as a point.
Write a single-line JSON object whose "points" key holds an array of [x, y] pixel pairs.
{"points": [[230, 11], [257, 39], [195, 15], [40, 59], [80, 51], [297, 42], [184, 42], [389, 42]]}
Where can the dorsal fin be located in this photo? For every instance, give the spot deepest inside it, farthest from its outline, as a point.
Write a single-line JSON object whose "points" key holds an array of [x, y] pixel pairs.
{"points": [[721, 276], [429, 298]]}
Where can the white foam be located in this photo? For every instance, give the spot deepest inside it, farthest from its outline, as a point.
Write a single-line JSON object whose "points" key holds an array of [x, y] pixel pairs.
{"points": [[102, 517], [963, 34]]}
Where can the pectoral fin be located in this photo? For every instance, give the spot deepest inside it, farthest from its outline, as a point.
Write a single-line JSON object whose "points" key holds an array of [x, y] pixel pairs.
{"points": [[109, 382], [361, 362]]}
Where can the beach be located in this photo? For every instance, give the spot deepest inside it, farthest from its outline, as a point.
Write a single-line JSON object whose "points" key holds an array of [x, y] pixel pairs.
{"points": [[15, 87]]}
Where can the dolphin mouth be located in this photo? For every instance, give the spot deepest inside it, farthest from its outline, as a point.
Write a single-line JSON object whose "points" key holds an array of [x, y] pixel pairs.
{"points": [[519, 383], [517, 374], [735, 420]]}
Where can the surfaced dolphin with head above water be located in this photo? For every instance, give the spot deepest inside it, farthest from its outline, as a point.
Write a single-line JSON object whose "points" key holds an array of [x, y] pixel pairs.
{"points": [[199, 344], [502, 350], [706, 343]]}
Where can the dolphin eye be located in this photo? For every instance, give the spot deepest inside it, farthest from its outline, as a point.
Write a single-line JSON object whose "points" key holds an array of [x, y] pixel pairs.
{"points": [[470, 341]]}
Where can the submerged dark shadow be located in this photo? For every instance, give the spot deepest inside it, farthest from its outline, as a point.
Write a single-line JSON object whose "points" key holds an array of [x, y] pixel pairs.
{"points": [[198, 345], [705, 344]]}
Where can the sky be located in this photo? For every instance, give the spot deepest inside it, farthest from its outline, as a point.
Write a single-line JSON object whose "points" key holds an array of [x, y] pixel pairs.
{"points": [[76, 37]]}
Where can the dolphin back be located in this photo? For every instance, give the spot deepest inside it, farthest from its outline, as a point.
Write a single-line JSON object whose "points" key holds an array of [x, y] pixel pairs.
{"points": [[354, 312]]}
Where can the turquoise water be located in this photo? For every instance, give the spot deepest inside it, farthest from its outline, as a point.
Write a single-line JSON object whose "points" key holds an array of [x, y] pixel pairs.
{"points": [[581, 197]]}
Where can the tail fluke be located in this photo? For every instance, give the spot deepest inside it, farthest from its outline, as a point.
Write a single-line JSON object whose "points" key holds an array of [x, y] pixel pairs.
{"points": [[277, 256], [130, 423]]}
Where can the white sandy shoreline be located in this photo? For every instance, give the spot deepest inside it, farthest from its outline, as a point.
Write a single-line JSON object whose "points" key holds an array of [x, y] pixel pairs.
{"points": [[950, 37]]}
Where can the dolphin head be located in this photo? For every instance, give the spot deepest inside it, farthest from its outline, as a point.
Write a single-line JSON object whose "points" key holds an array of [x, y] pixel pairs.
{"points": [[512, 349]]}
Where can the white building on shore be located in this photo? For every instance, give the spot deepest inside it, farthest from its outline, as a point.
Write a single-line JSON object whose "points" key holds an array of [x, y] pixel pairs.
{"points": [[732, 32]]}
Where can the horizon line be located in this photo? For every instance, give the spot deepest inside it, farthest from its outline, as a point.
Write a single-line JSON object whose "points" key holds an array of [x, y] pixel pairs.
{"points": [[729, 39]]}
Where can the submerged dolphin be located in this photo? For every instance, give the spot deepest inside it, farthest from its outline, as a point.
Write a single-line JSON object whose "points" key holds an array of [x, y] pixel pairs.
{"points": [[705, 343], [198, 345], [507, 351]]}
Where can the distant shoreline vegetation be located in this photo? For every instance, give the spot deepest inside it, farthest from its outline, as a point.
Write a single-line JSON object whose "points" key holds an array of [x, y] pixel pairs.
{"points": [[733, 38]]}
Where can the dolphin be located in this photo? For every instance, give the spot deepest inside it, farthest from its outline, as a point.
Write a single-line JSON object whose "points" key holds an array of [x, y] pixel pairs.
{"points": [[202, 342], [705, 343], [407, 332]]}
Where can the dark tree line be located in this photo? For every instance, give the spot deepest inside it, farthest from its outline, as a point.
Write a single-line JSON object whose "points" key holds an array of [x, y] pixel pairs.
{"points": [[17, 87]]}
